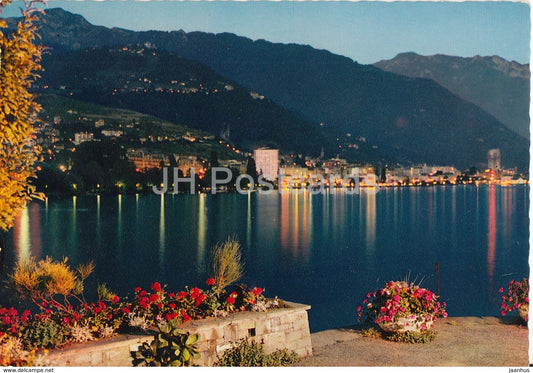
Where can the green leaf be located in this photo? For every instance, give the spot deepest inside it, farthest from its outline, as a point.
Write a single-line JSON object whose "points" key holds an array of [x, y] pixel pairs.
{"points": [[192, 339], [185, 355]]}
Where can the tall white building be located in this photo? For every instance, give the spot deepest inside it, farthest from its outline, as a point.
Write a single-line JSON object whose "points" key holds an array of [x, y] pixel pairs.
{"points": [[267, 162]]}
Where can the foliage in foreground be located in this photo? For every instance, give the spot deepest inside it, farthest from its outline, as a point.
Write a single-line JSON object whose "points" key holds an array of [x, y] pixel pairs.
{"points": [[20, 59], [227, 266], [170, 347], [517, 296], [251, 354], [399, 299], [65, 316], [424, 336]]}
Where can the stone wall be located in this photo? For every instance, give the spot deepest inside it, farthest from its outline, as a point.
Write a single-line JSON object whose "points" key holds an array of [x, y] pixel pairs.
{"points": [[277, 329]]}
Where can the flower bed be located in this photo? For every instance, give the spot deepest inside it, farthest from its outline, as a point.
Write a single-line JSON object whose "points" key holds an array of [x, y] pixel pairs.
{"points": [[64, 317], [278, 328]]}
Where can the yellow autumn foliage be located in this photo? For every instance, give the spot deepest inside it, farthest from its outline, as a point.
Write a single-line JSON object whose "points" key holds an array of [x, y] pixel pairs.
{"points": [[41, 281], [20, 60]]}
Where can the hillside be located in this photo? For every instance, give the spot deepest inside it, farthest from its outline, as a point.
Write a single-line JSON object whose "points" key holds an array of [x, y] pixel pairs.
{"points": [[403, 119], [499, 87], [78, 116], [172, 88]]}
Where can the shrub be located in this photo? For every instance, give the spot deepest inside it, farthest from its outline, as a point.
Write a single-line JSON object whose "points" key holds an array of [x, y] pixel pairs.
{"points": [[170, 347], [251, 354], [517, 295], [371, 333], [425, 336], [44, 333], [12, 352], [42, 281], [227, 266]]}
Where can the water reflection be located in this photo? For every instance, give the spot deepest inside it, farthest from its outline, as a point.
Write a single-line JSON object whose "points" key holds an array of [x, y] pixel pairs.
{"points": [[202, 227], [370, 221], [296, 246], [98, 222], [162, 229], [296, 224], [491, 236], [120, 228], [22, 235], [73, 236]]}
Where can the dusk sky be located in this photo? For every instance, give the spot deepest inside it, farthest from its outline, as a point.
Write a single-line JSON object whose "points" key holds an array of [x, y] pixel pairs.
{"points": [[364, 31]]}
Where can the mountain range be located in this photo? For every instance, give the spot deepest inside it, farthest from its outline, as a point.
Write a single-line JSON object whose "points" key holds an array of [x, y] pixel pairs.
{"points": [[402, 119], [499, 87]]}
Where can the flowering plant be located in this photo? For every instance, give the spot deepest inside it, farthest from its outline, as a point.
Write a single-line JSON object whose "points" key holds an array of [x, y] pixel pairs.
{"points": [[399, 299], [517, 296]]}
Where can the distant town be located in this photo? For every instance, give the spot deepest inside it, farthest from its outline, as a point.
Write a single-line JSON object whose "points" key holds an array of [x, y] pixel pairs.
{"points": [[145, 148]]}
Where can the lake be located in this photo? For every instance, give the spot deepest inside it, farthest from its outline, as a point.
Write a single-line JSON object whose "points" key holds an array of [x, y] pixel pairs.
{"points": [[325, 250]]}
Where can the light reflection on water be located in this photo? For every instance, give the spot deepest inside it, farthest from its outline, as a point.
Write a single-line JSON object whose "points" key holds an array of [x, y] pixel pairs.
{"points": [[323, 250]]}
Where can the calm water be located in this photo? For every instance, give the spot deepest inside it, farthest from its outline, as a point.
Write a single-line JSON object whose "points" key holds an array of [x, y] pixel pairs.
{"points": [[324, 250]]}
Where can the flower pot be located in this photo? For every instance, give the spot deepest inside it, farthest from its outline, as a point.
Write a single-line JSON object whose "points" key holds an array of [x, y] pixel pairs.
{"points": [[523, 312], [409, 323]]}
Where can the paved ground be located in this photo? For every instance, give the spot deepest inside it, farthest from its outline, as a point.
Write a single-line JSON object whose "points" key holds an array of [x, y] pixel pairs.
{"points": [[462, 341]]}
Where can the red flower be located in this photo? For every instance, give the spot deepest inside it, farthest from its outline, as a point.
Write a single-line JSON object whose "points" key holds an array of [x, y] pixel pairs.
{"points": [[156, 286], [97, 310], [195, 292], [171, 295], [257, 291], [230, 300], [143, 293], [168, 316], [115, 298], [154, 298], [137, 289], [210, 281], [200, 299], [144, 302], [181, 294], [501, 290], [126, 310], [172, 305], [185, 316]]}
